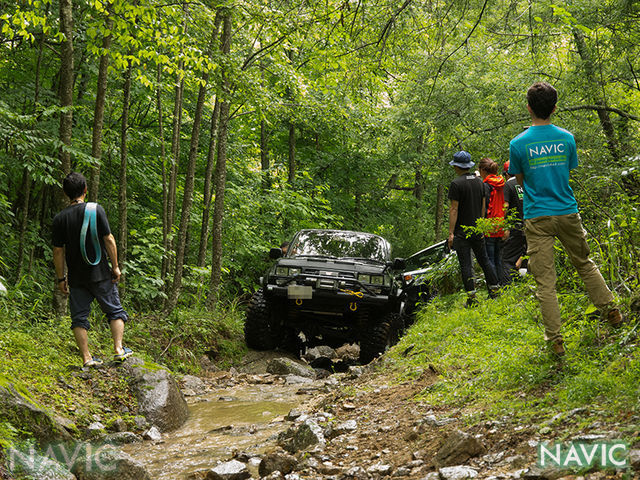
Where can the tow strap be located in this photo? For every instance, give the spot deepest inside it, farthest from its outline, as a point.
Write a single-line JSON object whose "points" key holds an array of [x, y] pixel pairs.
{"points": [[90, 222]]}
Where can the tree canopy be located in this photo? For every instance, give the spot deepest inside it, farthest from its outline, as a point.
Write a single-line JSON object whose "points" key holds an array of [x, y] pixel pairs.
{"points": [[213, 130]]}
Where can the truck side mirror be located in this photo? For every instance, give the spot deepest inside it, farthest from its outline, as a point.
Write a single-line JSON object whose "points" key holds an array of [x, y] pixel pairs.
{"points": [[275, 253], [398, 264]]}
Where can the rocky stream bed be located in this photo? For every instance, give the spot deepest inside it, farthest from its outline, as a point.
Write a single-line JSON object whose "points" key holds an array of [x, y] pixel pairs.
{"points": [[278, 418]]}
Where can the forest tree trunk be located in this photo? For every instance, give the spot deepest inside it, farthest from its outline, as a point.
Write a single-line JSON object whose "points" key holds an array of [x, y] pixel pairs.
{"points": [[98, 116], [208, 179], [220, 175], [439, 212], [264, 155], [593, 90], [66, 117], [175, 162], [124, 127], [208, 174], [292, 153], [189, 181]]}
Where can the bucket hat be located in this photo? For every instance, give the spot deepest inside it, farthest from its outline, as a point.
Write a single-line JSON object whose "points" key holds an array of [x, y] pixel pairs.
{"points": [[462, 160]]}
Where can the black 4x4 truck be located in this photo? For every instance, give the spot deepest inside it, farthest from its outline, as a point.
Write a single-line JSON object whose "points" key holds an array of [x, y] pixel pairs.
{"points": [[333, 287]]}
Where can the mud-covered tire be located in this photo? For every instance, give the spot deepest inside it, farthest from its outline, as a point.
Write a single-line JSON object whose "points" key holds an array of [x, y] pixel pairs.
{"points": [[260, 333], [375, 341]]}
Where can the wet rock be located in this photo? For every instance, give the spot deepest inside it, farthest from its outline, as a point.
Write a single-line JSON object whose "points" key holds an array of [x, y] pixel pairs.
{"points": [[348, 352], [459, 472], [274, 476], [356, 473], [297, 380], [118, 425], [301, 437], [537, 473], [493, 457], [517, 461], [140, 422], [28, 464], [193, 383], [107, 463], [152, 434], [458, 448], [379, 469], [20, 411], [287, 366], [319, 352], [355, 371], [158, 395], [401, 472], [431, 476], [433, 421], [122, 438], [634, 459], [293, 414], [343, 428], [95, 429], [277, 461], [232, 470]]}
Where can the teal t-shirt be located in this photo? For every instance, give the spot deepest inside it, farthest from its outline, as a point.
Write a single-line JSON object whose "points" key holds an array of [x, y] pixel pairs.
{"points": [[545, 155]]}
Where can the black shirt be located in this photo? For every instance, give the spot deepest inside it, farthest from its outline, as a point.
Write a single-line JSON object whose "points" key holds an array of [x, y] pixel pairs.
{"points": [[513, 194], [66, 233], [468, 190]]}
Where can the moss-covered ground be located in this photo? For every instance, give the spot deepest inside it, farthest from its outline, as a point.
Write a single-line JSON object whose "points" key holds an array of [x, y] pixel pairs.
{"points": [[40, 358]]}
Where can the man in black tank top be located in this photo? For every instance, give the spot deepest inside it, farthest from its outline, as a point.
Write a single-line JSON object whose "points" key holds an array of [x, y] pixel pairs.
{"points": [[467, 205]]}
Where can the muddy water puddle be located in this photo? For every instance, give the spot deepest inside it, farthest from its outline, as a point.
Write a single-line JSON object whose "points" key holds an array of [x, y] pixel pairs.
{"points": [[244, 418]]}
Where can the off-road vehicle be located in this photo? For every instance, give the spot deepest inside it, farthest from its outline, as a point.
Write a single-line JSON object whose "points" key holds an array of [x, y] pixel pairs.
{"points": [[417, 280], [331, 286]]}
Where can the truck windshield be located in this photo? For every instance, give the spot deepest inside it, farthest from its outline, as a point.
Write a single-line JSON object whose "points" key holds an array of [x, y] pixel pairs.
{"points": [[340, 244]]}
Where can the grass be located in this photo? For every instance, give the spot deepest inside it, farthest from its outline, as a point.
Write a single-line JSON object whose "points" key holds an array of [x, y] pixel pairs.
{"points": [[38, 355], [493, 358]]}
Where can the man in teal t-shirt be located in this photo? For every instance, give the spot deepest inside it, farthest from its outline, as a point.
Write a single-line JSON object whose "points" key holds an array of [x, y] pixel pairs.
{"points": [[541, 158]]}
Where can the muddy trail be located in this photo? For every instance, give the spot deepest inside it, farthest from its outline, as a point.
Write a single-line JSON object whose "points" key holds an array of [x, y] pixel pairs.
{"points": [[300, 423]]}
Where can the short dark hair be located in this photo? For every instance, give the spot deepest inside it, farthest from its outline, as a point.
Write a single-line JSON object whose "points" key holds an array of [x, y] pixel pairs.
{"points": [[542, 98], [74, 185]]}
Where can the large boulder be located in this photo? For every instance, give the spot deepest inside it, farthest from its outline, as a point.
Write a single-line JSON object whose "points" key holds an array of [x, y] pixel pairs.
{"points": [[159, 398], [108, 463], [302, 437], [17, 407], [458, 448], [232, 470], [29, 464], [287, 366], [277, 461]]}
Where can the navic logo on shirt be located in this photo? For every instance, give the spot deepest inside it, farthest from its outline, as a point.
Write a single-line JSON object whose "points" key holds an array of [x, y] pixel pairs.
{"points": [[546, 153]]}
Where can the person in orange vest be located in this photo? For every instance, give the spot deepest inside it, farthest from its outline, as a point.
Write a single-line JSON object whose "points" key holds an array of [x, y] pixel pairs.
{"points": [[494, 194]]}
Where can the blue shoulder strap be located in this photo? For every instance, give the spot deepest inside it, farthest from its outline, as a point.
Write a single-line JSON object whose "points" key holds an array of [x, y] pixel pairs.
{"points": [[90, 222]]}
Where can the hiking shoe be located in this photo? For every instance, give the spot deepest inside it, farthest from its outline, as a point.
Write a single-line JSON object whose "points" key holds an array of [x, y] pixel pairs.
{"points": [[94, 362], [121, 357], [471, 302], [614, 317], [557, 348], [494, 292]]}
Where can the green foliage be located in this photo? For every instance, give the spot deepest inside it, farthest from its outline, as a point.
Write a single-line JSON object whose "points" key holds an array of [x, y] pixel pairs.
{"points": [[494, 357]]}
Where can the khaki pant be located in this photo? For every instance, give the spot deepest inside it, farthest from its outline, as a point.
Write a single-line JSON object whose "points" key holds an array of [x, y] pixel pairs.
{"points": [[541, 233]]}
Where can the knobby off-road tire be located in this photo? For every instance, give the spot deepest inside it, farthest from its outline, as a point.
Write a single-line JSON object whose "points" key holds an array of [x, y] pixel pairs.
{"points": [[377, 339], [260, 331]]}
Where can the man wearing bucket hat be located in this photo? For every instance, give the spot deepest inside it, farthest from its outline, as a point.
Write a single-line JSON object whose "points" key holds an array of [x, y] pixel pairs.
{"points": [[541, 158], [467, 197]]}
